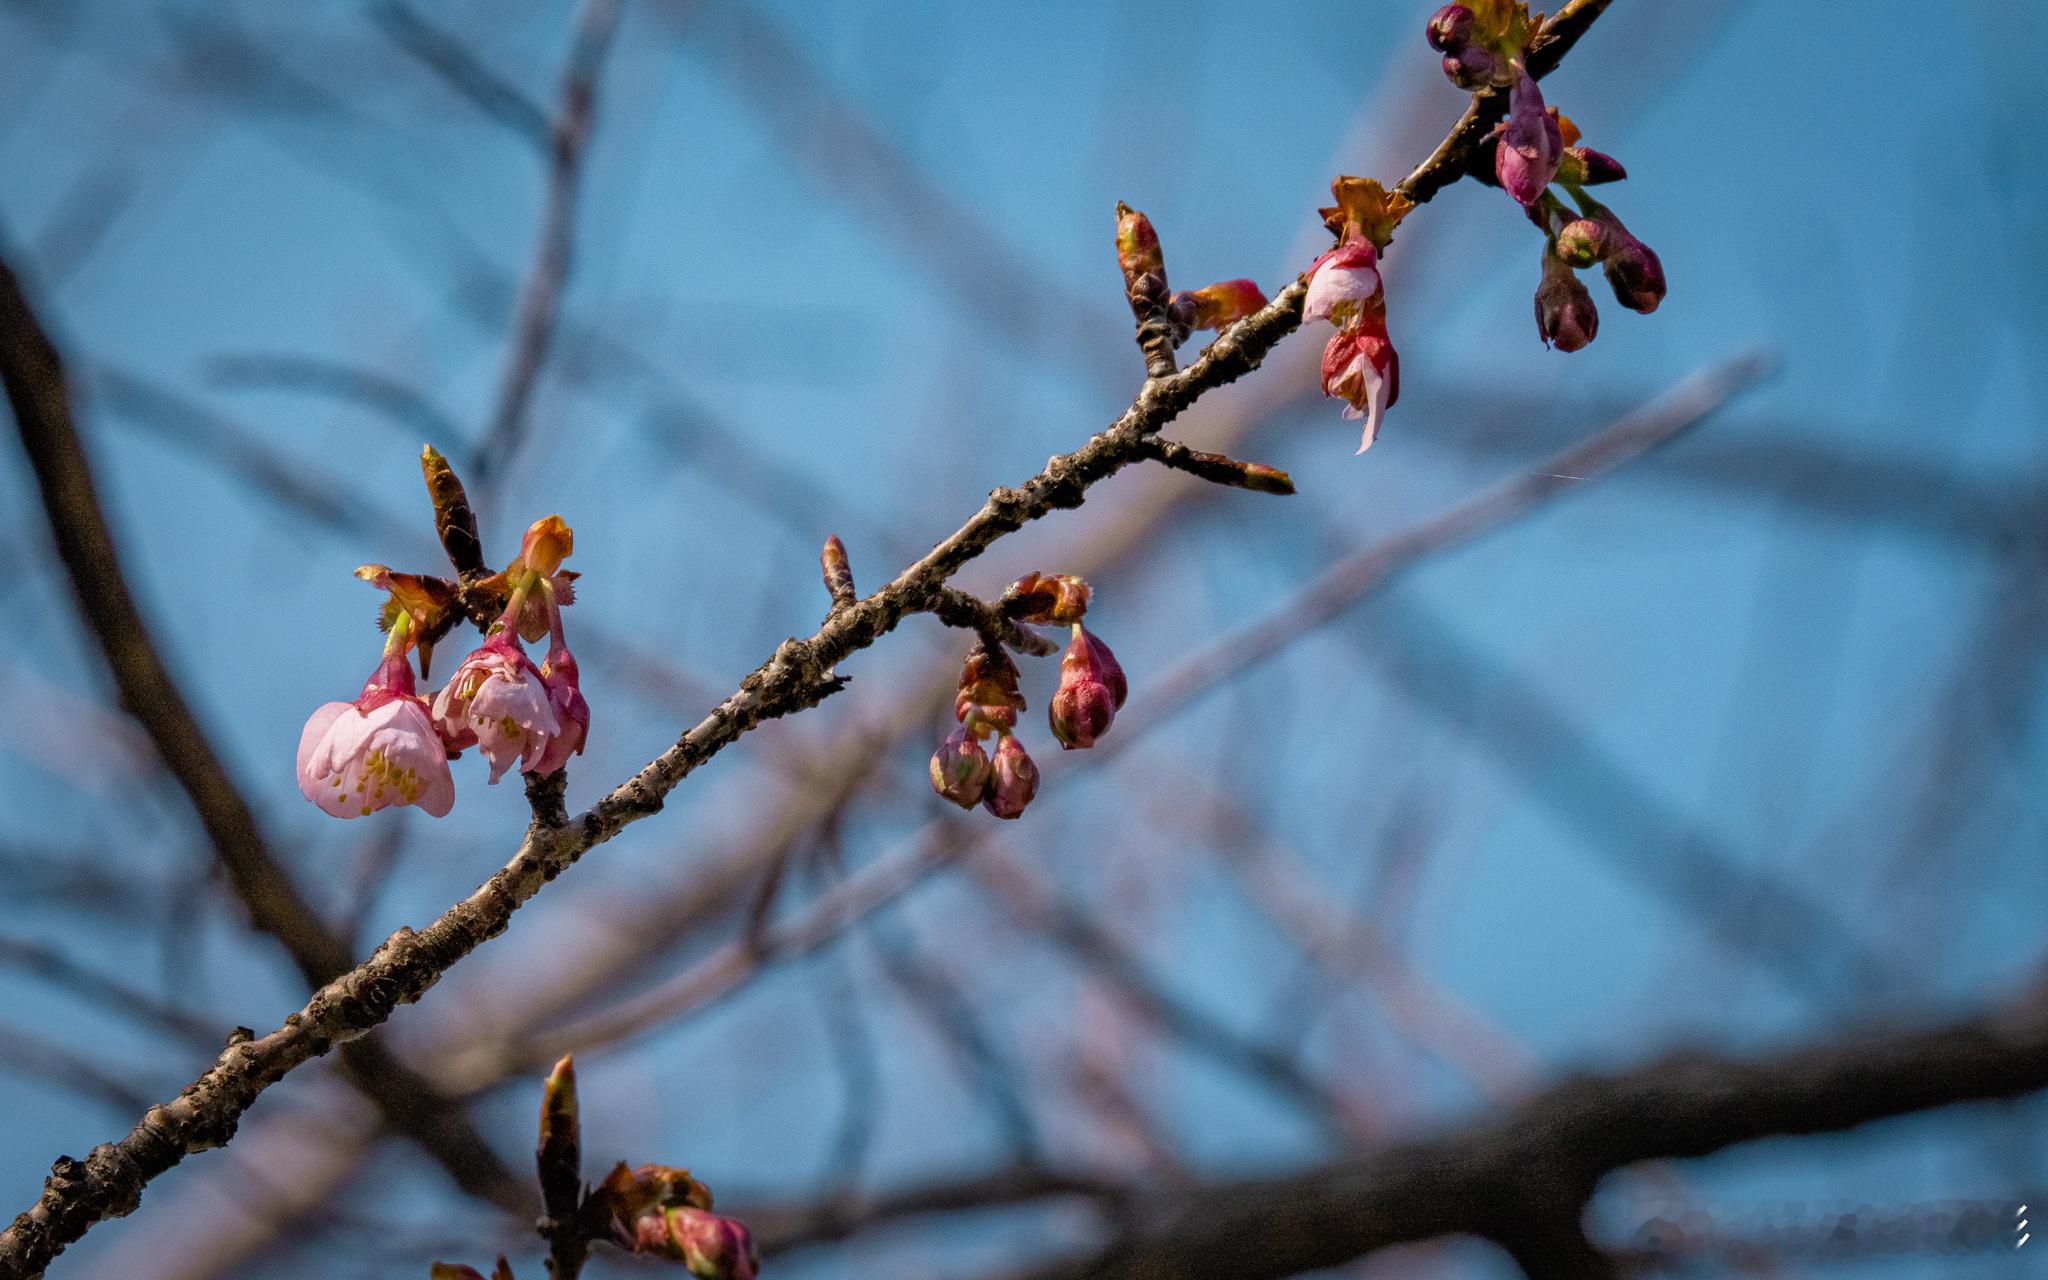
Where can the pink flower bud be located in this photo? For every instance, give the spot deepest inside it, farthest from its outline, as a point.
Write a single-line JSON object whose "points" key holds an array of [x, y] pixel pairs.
{"points": [[712, 1247], [1342, 283], [960, 768], [1013, 779], [376, 752], [1582, 242], [1092, 688], [1565, 314], [1531, 143], [497, 700], [1360, 367]]}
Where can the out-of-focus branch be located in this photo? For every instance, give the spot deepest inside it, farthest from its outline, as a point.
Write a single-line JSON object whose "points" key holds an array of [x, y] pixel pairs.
{"points": [[36, 388], [1522, 1177], [540, 298], [465, 73], [110, 1181]]}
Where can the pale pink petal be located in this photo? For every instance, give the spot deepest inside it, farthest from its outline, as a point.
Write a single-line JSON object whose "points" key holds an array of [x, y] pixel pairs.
{"points": [[1335, 290]]}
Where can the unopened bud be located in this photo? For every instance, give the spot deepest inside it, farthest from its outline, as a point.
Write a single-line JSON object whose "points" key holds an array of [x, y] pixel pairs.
{"points": [[1565, 315], [1013, 779], [837, 571], [1636, 275], [1585, 167], [1471, 67], [1047, 599], [712, 1247], [560, 1154], [547, 543], [1449, 27], [1213, 306], [1582, 242], [1137, 250], [453, 519], [960, 768], [1531, 144], [988, 697]]}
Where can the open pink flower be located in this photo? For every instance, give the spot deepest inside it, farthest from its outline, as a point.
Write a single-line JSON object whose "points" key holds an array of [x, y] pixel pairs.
{"points": [[1342, 282], [378, 751], [1361, 368], [496, 699]]}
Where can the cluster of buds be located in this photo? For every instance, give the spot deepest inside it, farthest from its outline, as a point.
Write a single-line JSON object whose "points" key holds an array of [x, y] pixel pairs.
{"points": [[1360, 365], [655, 1211], [391, 745], [1091, 691], [1166, 319], [1485, 45]]}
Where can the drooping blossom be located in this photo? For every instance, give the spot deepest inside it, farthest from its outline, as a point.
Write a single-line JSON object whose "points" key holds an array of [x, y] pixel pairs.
{"points": [[1361, 368], [559, 677], [1531, 143], [1342, 283], [1092, 690], [497, 701], [379, 750]]}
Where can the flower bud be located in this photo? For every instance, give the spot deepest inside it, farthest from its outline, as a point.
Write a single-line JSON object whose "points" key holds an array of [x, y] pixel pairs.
{"points": [[1216, 305], [1343, 282], [1582, 242], [960, 768], [1585, 167], [1449, 28], [1565, 314], [988, 697], [1137, 249], [1636, 275], [1047, 599], [1531, 143], [1361, 368], [1013, 779], [1471, 67], [712, 1247]]}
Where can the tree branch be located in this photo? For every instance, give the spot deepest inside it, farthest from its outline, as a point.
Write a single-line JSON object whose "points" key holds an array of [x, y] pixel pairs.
{"points": [[109, 1182], [35, 387], [1522, 1177]]}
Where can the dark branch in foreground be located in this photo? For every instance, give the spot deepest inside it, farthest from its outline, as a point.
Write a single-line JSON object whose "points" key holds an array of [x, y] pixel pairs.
{"points": [[1523, 1177], [109, 1182]]}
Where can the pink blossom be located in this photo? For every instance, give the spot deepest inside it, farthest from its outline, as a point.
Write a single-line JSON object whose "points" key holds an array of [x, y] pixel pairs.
{"points": [[565, 697], [1342, 282], [497, 700], [378, 751], [1361, 368]]}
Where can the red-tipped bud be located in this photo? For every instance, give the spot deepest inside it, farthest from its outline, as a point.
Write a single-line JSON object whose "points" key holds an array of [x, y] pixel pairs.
{"points": [[1013, 779], [1531, 143], [837, 570], [960, 768], [1137, 249], [1216, 305], [1565, 314], [1582, 242], [1047, 599]]}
